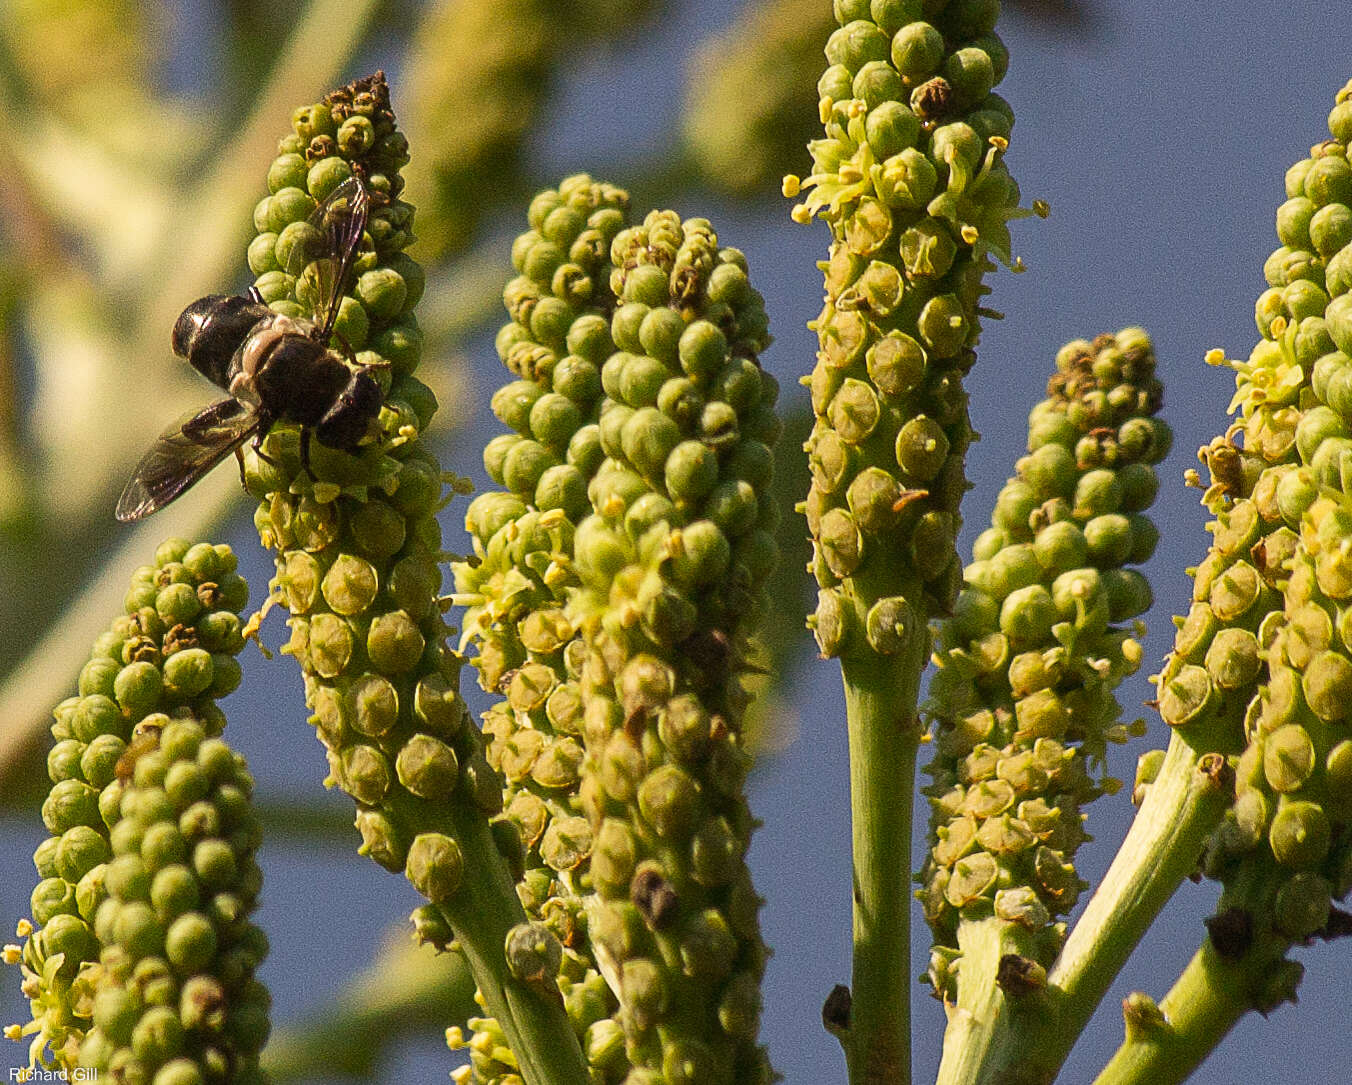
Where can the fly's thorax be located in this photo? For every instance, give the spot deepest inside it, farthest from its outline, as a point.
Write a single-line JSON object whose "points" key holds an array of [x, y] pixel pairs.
{"points": [[263, 339], [292, 375], [251, 356]]}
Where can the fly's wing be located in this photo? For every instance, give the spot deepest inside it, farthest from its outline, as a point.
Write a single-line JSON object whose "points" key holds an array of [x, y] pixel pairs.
{"points": [[323, 254], [185, 452]]}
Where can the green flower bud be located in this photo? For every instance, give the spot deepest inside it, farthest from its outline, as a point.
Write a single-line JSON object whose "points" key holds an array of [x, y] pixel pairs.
{"points": [[52, 897], [840, 542], [366, 774], [1233, 659], [1330, 228], [44, 857], [1109, 539], [288, 205], [1300, 835], [1288, 757], [68, 804], [174, 891], [917, 50], [394, 643], [382, 839], [533, 954], [855, 44], [435, 866], [189, 672], [428, 767], [890, 625], [140, 686], [69, 935], [1302, 906], [922, 447], [1327, 685], [873, 499]]}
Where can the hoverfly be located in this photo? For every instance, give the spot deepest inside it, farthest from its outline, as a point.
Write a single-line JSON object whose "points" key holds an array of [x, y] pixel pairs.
{"points": [[275, 367]]}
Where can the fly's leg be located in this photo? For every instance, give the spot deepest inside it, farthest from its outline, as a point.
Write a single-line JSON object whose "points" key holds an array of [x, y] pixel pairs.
{"points": [[264, 427], [347, 347], [305, 453], [257, 446], [352, 354]]}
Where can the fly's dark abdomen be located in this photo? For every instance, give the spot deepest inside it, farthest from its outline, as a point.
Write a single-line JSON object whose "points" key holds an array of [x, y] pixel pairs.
{"points": [[212, 329]]}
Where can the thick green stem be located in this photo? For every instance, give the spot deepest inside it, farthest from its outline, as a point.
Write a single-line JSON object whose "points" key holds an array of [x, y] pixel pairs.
{"points": [[1165, 1043], [1181, 808], [482, 911], [1201, 1008], [986, 1024], [880, 699]]}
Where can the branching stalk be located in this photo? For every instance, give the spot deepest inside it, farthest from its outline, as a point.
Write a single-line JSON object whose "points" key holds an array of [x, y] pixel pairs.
{"points": [[1165, 1044], [1181, 808]]}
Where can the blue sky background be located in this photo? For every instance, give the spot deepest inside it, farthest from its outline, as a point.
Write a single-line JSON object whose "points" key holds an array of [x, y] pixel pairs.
{"points": [[1159, 134]]}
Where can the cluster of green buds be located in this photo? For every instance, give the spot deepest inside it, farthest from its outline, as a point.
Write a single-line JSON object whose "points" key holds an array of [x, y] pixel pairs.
{"points": [[910, 179], [556, 343], [765, 62], [672, 560], [163, 663], [1282, 851], [1291, 435], [359, 545], [358, 568], [175, 998], [351, 132], [638, 399], [1022, 702]]}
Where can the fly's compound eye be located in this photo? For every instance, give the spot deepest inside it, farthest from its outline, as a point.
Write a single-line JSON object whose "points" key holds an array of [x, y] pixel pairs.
{"points": [[347, 421]]}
